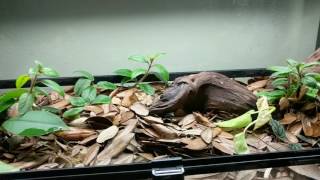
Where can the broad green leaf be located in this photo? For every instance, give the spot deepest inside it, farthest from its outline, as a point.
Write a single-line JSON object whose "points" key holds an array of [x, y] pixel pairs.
{"points": [[81, 85], [307, 65], [40, 91], [78, 101], [49, 72], [72, 112], [137, 72], [146, 88], [283, 69], [32, 71], [293, 88], [312, 93], [86, 75], [25, 103], [265, 111], [316, 76], [22, 80], [292, 62], [101, 99], [35, 123], [238, 122], [12, 94], [54, 86], [278, 129], [138, 58], [89, 94], [6, 104], [240, 144], [4, 168], [279, 82], [162, 72], [124, 72], [309, 81], [105, 85], [51, 109], [126, 80], [156, 56], [272, 95]]}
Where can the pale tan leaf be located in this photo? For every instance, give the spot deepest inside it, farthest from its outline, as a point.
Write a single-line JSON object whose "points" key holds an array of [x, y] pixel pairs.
{"points": [[211, 176], [188, 119], [75, 134], [296, 129], [292, 138], [225, 135], [80, 122], [129, 97], [164, 131], [147, 156], [216, 131], [223, 148], [257, 85], [95, 109], [152, 119], [284, 103], [116, 101], [203, 120], [310, 125], [13, 111], [91, 154], [194, 144], [107, 134], [246, 175], [206, 135], [123, 158], [139, 109], [60, 105], [289, 118], [192, 132], [125, 116], [310, 171]]}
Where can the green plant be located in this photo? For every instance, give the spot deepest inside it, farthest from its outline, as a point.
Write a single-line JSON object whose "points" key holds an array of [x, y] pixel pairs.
{"points": [[133, 75], [289, 80], [86, 94], [32, 121]]}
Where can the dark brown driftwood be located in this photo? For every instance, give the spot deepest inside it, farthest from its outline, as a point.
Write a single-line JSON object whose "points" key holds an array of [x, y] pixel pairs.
{"points": [[314, 57], [206, 91]]}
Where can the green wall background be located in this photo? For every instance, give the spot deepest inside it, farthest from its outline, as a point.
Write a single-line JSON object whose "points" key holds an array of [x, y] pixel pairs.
{"points": [[99, 35]]}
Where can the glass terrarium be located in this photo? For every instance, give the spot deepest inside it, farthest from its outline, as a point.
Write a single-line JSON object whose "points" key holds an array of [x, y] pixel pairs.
{"points": [[211, 89]]}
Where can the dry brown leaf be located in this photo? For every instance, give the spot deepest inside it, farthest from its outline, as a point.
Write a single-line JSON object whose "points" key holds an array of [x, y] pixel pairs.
{"points": [[211, 176], [310, 171], [152, 119], [192, 132], [203, 120], [246, 175], [139, 109], [289, 118], [296, 128], [257, 85], [48, 166], [96, 109], [144, 98], [150, 132], [292, 138], [188, 119], [147, 156], [125, 116], [194, 144], [80, 122], [60, 105], [310, 125], [98, 122], [284, 103], [13, 111], [164, 131], [123, 158], [308, 106], [116, 101], [258, 141], [91, 154], [39, 160], [75, 134], [129, 97], [225, 135], [206, 135], [223, 148], [216, 131], [107, 134]]}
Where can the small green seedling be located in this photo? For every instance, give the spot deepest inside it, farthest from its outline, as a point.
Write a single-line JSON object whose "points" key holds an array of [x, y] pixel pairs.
{"points": [[32, 120], [289, 80], [86, 94], [137, 76]]}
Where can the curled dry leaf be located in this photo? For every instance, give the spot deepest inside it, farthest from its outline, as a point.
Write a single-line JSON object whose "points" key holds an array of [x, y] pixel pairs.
{"points": [[123, 158], [164, 131], [284, 103], [139, 109], [125, 116], [107, 134], [203, 120], [225, 135], [223, 147], [206, 135], [257, 85], [129, 97], [80, 122], [216, 131], [91, 154], [296, 128], [75, 134], [194, 144], [188, 119], [291, 138], [98, 122], [310, 125], [152, 119], [289, 118], [192, 132], [116, 101]]}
